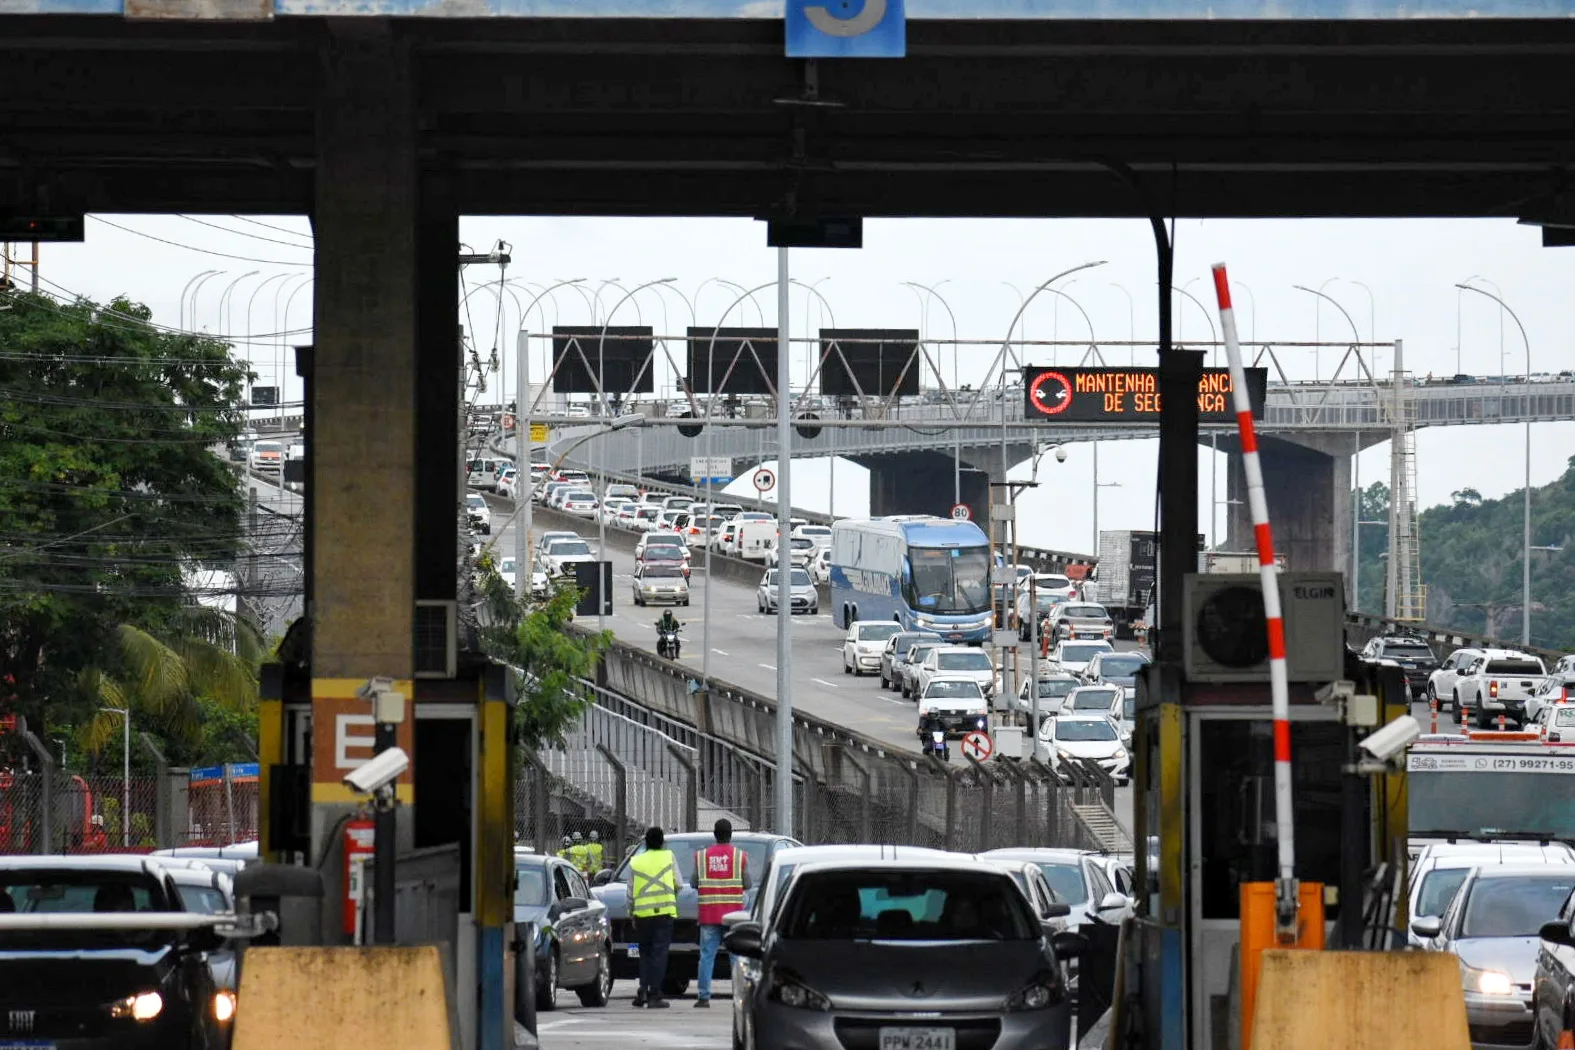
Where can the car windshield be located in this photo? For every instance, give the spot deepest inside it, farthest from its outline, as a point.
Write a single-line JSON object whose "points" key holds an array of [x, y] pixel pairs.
{"points": [[1081, 654], [1124, 666], [1053, 583], [1438, 889], [1512, 667], [1515, 905], [565, 547], [664, 571], [1408, 650], [1093, 699], [1054, 688], [950, 579], [204, 900], [663, 541], [973, 660], [47, 892], [1066, 880], [1084, 612], [476, 502], [919, 652], [684, 847], [1080, 731], [802, 543], [906, 906], [877, 632], [953, 690], [530, 886]]}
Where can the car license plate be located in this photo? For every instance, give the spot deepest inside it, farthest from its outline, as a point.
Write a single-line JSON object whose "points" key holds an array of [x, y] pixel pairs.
{"points": [[918, 1039], [634, 951]]}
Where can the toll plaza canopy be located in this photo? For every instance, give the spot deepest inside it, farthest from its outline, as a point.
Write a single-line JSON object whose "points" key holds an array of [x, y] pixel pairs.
{"points": [[1001, 107]]}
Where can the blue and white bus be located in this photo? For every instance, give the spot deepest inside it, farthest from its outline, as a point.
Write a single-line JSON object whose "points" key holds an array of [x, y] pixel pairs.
{"points": [[927, 573]]}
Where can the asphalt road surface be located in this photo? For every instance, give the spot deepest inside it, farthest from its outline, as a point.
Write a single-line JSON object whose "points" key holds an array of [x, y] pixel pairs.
{"points": [[618, 1026]]}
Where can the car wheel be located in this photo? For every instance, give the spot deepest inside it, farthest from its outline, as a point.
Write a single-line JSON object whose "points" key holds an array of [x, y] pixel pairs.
{"points": [[1454, 700], [673, 987], [845, 668], [686, 603], [547, 987], [599, 991]]}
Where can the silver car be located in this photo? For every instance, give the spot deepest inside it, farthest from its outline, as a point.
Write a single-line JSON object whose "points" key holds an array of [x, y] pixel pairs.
{"points": [[931, 952], [1492, 925], [660, 582], [801, 591]]}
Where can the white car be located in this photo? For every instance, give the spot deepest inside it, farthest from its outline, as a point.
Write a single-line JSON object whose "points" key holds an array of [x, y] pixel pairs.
{"points": [[478, 513], [819, 535], [552, 536], [662, 539], [625, 492], [865, 641], [662, 583], [1441, 683], [561, 555], [1441, 867], [628, 514], [508, 482], [645, 517], [802, 552], [957, 702], [1499, 682], [677, 503], [1106, 700], [1074, 656], [580, 504], [966, 661], [820, 568], [1086, 736]]}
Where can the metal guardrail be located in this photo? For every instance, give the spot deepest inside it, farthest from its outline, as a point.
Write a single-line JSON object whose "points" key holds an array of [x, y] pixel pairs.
{"points": [[1364, 627]]}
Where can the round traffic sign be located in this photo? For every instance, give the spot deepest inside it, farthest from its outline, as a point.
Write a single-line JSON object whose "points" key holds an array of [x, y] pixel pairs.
{"points": [[961, 512], [978, 746], [765, 480]]}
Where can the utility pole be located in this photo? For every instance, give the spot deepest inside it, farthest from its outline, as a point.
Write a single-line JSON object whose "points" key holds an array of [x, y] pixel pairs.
{"points": [[784, 557]]}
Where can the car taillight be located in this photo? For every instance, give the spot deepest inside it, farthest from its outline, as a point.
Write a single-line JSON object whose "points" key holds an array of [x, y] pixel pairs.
{"points": [[1493, 689]]}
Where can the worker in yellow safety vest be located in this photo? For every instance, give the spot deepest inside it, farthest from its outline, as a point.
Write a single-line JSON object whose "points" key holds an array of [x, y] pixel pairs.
{"points": [[567, 852], [595, 855], [653, 904], [577, 851]]}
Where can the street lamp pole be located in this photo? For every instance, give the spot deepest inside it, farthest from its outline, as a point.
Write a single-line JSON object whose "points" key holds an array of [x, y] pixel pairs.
{"points": [[187, 288], [1356, 511], [1525, 567], [125, 772], [784, 555], [1131, 322], [956, 434]]}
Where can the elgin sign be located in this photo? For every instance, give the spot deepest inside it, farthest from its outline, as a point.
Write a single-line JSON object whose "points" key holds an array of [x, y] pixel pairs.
{"points": [[1128, 395]]}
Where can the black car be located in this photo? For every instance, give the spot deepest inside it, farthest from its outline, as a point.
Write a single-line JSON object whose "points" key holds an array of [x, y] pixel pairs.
{"points": [[209, 891], [571, 930], [1413, 655], [104, 989]]}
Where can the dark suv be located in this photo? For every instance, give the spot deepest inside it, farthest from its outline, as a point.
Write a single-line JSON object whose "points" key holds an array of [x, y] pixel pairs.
{"points": [[1412, 654]]}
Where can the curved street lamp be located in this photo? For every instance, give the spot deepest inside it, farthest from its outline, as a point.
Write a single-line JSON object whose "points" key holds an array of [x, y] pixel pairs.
{"points": [[181, 312]]}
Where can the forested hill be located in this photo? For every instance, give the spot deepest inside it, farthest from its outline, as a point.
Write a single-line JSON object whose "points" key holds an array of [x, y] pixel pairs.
{"points": [[1472, 552]]}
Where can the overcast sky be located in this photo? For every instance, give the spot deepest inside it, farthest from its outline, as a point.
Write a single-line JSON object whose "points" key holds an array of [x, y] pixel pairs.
{"points": [[1410, 267]]}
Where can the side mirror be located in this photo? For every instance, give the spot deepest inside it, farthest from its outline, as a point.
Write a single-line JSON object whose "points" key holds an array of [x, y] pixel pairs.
{"points": [[1552, 932], [735, 918], [744, 940], [573, 904], [1069, 945], [1058, 910], [1429, 926], [1111, 902], [602, 878]]}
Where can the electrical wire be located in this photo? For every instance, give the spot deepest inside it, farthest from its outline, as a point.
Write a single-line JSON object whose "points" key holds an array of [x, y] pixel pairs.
{"points": [[270, 226], [170, 436], [78, 299], [243, 233], [192, 248], [62, 401]]}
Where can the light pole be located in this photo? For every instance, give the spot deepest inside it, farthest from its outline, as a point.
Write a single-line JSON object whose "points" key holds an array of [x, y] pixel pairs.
{"points": [[1253, 300], [278, 366], [784, 552], [1525, 567], [1131, 322], [523, 570], [831, 461], [224, 298], [182, 309], [929, 289], [192, 319], [601, 374], [1496, 291], [285, 327], [125, 772], [1317, 329], [1097, 486], [1356, 511]]}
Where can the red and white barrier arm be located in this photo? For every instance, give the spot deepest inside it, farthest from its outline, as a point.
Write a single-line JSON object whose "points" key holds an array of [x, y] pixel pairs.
{"points": [[1279, 685]]}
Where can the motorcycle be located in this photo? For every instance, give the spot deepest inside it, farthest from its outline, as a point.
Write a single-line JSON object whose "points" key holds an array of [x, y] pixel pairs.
{"points": [[667, 644], [938, 746]]}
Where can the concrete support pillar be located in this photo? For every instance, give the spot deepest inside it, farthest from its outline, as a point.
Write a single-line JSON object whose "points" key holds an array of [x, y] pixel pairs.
{"points": [[364, 478], [437, 396], [924, 483], [1309, 495]]}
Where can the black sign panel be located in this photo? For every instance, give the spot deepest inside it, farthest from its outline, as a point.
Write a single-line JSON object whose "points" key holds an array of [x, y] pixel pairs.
{"points": [[1128, 395], [265, 395], [579, 351], [740, 360], [882, 360], [595, 581]]}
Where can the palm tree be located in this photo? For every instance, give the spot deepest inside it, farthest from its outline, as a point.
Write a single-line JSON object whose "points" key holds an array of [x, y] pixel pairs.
{"points": [[161, 674]]}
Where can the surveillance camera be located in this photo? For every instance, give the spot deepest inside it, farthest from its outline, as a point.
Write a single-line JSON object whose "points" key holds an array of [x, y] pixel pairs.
{"points": [[372, 686], [1060, 455], [378, 772], [1384, 744]]}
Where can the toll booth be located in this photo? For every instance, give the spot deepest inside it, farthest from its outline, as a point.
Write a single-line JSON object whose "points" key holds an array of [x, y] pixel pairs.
{"points": [[1204, 798]]}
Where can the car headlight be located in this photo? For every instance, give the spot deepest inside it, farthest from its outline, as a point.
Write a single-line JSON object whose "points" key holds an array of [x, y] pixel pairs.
{"points": [[788, 990], [223, 1006], [1488, 982], [1043, 992], [142, 1007], [1121, 753]]}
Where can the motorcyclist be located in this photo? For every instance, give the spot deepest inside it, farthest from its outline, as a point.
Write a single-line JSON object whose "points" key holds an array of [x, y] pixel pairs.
{"points": [[668, 622], [929, 724]]}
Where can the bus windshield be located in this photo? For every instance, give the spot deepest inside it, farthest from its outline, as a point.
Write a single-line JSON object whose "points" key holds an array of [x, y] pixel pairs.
{"points": [[950, 579], [1493, 803]]}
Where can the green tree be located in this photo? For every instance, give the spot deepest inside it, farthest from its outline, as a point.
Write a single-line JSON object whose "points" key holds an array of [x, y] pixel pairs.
{"points": [[550, 658], [110, 492]]}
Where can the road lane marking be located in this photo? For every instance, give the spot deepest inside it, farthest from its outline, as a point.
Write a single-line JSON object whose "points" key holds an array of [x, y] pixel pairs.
{"points": [[828, 685], [720, 652], [899, 703], [769, 667]]}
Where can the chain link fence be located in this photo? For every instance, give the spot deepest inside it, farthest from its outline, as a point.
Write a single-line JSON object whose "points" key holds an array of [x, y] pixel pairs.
{"points": [[50, 812]]}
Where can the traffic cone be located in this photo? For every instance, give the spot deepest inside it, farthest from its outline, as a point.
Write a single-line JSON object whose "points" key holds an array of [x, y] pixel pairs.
{"points": [[1567, 1040], [1500, 723], [1433, 707]]}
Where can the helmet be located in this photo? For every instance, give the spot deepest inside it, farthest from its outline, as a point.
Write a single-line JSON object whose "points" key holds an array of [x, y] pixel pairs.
{"points": [[567, 841], [596, 836], [577, 836]]}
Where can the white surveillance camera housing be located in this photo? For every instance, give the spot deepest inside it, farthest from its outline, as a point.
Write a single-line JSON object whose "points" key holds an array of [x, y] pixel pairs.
{"points": [[1391, 741], [1060, 454], [378, 772], [372, 686], [1336, 692]]}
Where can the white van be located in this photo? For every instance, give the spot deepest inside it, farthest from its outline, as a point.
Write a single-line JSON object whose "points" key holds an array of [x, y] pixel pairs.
{"points": [[755, 540], [483, 473]]}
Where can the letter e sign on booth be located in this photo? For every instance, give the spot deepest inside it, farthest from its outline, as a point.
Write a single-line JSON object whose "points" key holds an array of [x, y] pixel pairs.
{"points": [[342, 739]]}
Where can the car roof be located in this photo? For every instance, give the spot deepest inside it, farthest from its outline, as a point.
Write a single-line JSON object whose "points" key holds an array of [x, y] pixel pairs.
{"points": [[1506, 871], [851, 851], [1040, 853], [931, 862], [1071, 716], [953, 678], [120, 862]]}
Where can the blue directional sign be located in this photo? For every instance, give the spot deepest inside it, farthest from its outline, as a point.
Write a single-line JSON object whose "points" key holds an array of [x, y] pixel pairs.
{"points": [[846, 29]]}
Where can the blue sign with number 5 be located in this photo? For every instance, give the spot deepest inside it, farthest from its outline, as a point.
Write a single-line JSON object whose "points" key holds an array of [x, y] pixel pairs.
{"points": [[846, 29]]}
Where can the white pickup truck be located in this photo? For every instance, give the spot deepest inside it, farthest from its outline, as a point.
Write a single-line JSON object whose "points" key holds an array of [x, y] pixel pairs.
{"points": [[1499, 682]]}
